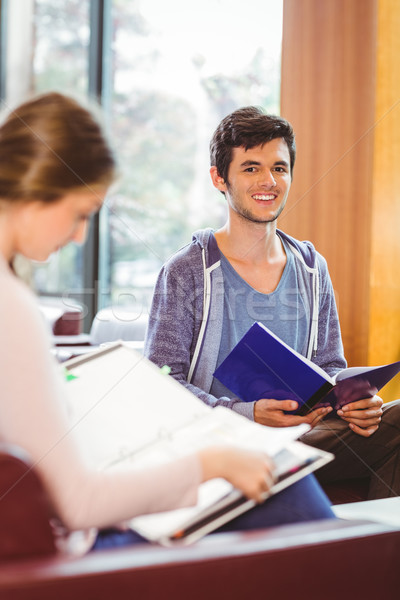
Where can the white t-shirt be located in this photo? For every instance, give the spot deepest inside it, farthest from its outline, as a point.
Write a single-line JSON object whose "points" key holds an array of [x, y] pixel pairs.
{"points": [[33, 416]]}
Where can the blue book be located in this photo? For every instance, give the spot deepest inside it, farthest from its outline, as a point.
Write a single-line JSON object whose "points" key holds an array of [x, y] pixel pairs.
{"points": [[261, 365]]}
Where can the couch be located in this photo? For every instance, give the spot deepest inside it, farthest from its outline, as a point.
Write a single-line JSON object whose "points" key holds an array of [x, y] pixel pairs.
{"points": [[63, 317], [110, 324], [325, 560]]}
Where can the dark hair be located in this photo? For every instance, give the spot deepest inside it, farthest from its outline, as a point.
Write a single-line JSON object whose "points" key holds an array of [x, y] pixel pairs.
{"points": [[248, 127], [50, 146]]}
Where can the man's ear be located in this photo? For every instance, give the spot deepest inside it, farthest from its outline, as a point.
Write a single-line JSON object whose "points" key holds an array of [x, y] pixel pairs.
{"points": [[217, 180]]}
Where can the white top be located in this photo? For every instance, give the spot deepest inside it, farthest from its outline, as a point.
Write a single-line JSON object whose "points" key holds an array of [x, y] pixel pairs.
{"points": [[33, 416]]}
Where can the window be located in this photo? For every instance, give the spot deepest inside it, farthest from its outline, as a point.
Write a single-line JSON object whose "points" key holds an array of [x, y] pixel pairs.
{"points": [[176, 69], [55, 58], [171, 71]]}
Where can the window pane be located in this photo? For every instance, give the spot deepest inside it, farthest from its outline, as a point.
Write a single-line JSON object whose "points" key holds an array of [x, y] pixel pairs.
{"points": [[175, 69], [60, 62]]}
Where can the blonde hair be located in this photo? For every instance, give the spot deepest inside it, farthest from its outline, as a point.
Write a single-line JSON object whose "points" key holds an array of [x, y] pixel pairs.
{"points": [[49, 146]]}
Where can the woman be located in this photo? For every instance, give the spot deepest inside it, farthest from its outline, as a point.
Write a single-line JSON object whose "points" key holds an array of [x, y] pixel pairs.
{"points": [[55, 168]]}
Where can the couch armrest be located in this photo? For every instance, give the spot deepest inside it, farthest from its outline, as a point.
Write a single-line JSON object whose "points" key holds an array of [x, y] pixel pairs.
{"points": [[325, 559], [25, 513], [322, 559]]}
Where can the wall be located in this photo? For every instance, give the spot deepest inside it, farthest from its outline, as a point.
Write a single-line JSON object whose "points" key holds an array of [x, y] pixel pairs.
{"points": [[341, 91], [384, 317]]}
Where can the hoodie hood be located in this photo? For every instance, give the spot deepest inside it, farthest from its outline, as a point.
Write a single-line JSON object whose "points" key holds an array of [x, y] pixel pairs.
{"points": [[206, 240]]}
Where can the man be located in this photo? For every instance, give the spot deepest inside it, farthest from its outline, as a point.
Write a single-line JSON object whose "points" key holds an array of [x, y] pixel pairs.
{"points": [[211, 291]]}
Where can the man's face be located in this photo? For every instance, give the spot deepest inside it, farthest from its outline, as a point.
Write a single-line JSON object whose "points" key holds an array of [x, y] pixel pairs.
{"points": [[258, 181]]}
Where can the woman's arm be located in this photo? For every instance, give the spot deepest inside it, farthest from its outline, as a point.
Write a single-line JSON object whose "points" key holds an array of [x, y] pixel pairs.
{"points": [[33, 416]]}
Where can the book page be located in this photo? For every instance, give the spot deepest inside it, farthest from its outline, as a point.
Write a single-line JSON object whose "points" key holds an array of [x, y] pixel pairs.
{"points": [[219, 426], [356, 383], [351, 372], [126, 412], [292, 463], [379, 375], [119, 402]]}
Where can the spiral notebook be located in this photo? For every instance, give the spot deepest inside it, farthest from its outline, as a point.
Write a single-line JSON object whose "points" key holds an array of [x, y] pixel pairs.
{"points": [[125, 410]]}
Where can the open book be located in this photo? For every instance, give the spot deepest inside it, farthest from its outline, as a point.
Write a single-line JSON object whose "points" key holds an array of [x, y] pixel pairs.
{"points": [[262, 366], [125, 411]]}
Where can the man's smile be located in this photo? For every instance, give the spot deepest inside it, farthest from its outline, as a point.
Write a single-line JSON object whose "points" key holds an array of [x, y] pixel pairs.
{"points": [[264, 197]]}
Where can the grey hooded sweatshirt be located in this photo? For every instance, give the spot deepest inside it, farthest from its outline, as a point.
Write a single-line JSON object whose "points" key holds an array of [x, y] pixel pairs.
{"points": [[186, 315]]}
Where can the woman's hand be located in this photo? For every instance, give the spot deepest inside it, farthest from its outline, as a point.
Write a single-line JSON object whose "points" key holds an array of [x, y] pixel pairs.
{"points": [[249, 471]]}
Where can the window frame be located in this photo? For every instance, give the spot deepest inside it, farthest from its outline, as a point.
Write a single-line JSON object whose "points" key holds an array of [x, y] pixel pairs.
{"points": [[94, 275], [99, 14]]}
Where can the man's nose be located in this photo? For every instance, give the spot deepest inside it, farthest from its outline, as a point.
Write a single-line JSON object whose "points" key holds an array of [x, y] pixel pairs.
{"points": [[268, 179]]}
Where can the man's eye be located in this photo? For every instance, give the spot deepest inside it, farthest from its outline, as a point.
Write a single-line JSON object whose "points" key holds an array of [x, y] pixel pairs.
{"points": [[250, 170]]}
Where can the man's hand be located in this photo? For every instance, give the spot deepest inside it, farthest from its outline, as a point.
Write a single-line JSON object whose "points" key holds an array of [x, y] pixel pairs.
{"points": [[271, 412], [363, 416]]}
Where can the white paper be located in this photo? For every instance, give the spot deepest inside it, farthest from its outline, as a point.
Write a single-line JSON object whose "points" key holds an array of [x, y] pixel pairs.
{"points": [[124, 411], [120, 403]]}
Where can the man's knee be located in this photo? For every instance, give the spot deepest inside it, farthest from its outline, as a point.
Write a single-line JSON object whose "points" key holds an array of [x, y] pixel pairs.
{"points": [[388, 433], [391, 414]]}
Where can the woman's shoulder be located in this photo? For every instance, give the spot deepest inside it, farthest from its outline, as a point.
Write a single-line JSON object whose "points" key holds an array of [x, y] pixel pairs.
{"points": [[19, 310], [14, 290]]}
